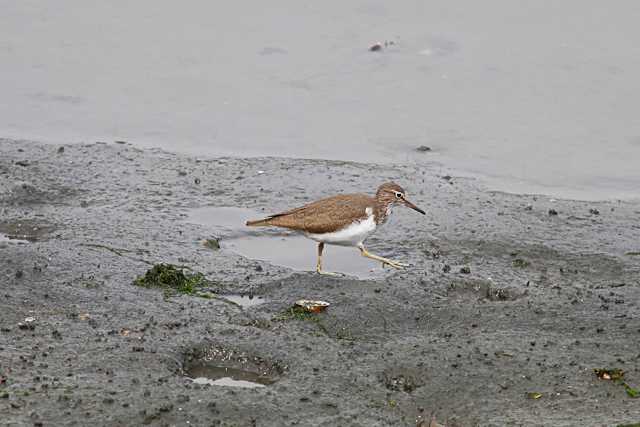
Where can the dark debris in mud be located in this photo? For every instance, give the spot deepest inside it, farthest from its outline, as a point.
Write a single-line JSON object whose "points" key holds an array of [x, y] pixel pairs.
{"points": [[465, 270], [398, 379], [484, 290]]}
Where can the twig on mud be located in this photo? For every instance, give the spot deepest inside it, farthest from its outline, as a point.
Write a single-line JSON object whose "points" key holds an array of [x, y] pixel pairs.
{"points": [[118, 251], [109, 248]]}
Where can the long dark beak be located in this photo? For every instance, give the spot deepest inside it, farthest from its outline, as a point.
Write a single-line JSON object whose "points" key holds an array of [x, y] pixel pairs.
{"points": [[414, 207]]}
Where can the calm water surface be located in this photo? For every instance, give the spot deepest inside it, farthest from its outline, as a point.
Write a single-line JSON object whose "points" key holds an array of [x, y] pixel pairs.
{"points": [[533, 97]]}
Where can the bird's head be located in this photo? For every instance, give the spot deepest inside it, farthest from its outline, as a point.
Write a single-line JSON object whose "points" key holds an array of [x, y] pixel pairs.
{"points": [[390, 194]]}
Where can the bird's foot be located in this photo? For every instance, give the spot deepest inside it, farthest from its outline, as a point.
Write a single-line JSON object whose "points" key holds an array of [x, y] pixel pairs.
{"points": [[385, 261], [395, 264]]}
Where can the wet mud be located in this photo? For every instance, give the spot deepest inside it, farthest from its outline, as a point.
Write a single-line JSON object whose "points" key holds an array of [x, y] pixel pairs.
{"points": [[501, 318]]}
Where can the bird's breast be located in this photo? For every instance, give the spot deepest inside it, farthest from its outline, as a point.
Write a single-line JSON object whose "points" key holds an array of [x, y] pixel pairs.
{"points": [[351, 235]]}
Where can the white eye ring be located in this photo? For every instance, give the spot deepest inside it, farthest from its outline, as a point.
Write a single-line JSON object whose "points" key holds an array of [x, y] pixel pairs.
{"points": [[398, 194]]}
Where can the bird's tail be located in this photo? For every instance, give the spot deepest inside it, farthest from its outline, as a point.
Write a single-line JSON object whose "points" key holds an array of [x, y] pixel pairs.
{"points": [[259, 222]]}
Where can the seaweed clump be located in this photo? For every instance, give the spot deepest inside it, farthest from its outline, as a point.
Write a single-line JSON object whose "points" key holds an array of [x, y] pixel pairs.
{"points": [[173, 280], [297, 313]]}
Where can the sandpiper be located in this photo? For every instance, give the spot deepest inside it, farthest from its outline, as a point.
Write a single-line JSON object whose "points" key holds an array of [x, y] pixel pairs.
{"points": [[344, 220]]}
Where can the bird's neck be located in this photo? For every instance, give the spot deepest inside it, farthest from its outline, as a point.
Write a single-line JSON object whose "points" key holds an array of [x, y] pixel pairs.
{"points": [[382, 211]]}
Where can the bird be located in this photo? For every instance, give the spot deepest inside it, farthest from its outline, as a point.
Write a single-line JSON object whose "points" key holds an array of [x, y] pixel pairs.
{"points": [[343, 220]]}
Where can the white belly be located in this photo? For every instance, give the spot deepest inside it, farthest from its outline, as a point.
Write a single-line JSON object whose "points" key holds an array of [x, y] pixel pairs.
{"points": [[352, 235]]}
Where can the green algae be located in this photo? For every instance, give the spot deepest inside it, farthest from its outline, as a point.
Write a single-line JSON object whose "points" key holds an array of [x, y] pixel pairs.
{"points": [[172, 280], [295, 313], [300, 314]]}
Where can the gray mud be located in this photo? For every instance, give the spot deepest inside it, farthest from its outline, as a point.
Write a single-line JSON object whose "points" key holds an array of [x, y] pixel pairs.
{"points": [[502, 300]]}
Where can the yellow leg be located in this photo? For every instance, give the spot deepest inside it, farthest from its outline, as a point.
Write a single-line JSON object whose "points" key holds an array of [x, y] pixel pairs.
{"points": [[389, 262], [319, 263]]}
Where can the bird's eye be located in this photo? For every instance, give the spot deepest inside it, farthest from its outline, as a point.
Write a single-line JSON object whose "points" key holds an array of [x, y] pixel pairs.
{"points": [[398, 195]]}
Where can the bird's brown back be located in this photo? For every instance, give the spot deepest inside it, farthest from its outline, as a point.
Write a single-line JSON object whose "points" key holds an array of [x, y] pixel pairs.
{"points": [[323, 216]]}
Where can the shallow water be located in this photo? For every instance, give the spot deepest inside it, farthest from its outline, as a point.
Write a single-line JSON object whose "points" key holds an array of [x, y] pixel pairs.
{"points": [[223, 217], [222, 376], [24, 231], [11, 239], [227, 381], [289, 250], [536, 97]]}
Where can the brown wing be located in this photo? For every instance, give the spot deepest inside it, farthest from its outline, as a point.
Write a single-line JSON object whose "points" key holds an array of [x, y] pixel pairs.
{"points": [[324, 216]]}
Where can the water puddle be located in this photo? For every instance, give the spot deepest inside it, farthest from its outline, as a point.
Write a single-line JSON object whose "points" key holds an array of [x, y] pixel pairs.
{"points": [[221, 376], [224, 367], [279, 247], [227, 381], [26, 231], [229, 218], [11, 239], [244, 301]]}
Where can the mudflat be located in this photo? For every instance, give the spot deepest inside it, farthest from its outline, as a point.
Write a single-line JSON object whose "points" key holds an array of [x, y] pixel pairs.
{"points": [[510, 303]]}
